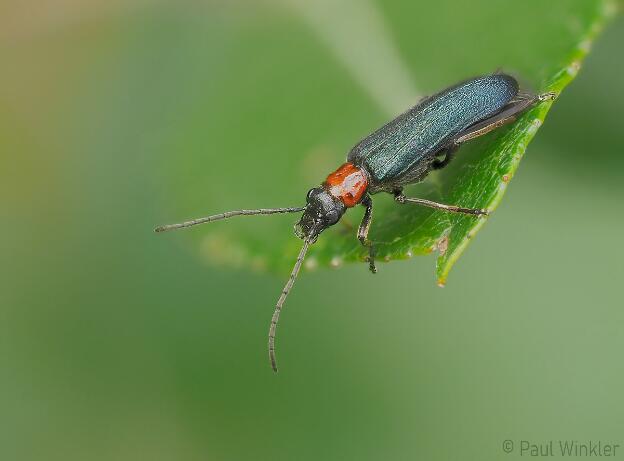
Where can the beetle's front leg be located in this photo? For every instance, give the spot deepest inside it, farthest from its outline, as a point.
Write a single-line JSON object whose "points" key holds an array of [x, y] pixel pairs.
{"points": [[363, 232], [400, 198]]}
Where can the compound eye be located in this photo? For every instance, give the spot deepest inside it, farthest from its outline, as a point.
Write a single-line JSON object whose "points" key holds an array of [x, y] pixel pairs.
{"points": [[309, 195]]}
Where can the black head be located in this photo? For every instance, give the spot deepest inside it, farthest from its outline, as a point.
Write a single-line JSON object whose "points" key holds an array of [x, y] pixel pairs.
{"points": [[322, 211]]}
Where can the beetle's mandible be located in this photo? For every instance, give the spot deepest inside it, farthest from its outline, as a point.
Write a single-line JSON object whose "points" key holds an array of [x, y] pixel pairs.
{"points": [[402, 152]]}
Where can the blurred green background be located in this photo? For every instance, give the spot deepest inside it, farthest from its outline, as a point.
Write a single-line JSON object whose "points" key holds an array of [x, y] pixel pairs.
{"points": [[116, 343]]}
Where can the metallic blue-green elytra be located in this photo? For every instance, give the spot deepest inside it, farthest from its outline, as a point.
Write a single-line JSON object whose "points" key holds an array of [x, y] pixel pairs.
{"points": [[423, 130]]}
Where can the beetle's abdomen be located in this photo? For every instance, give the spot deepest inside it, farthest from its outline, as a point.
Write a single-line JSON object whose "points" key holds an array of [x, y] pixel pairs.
{"points": [[348, 183], [424, 129]]}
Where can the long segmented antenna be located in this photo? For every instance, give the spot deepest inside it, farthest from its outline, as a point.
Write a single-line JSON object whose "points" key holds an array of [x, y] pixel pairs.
{"points": [[280, 303], [226, 215]]}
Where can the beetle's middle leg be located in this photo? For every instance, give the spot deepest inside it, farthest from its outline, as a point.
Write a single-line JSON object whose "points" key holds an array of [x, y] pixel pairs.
{"points": [[402, 199], [363, 233]]}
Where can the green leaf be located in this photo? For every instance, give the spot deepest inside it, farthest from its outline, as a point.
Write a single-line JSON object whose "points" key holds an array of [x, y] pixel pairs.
{"points": [[269, 117]]}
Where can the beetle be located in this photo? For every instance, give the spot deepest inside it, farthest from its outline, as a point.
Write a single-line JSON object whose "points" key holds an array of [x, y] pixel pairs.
{"points": [[404, 151]]}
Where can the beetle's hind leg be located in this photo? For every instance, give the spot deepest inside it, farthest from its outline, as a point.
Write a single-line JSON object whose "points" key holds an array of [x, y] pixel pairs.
{"points": [[521, 103], [509, 114], [363, 233], [402, 199]]}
